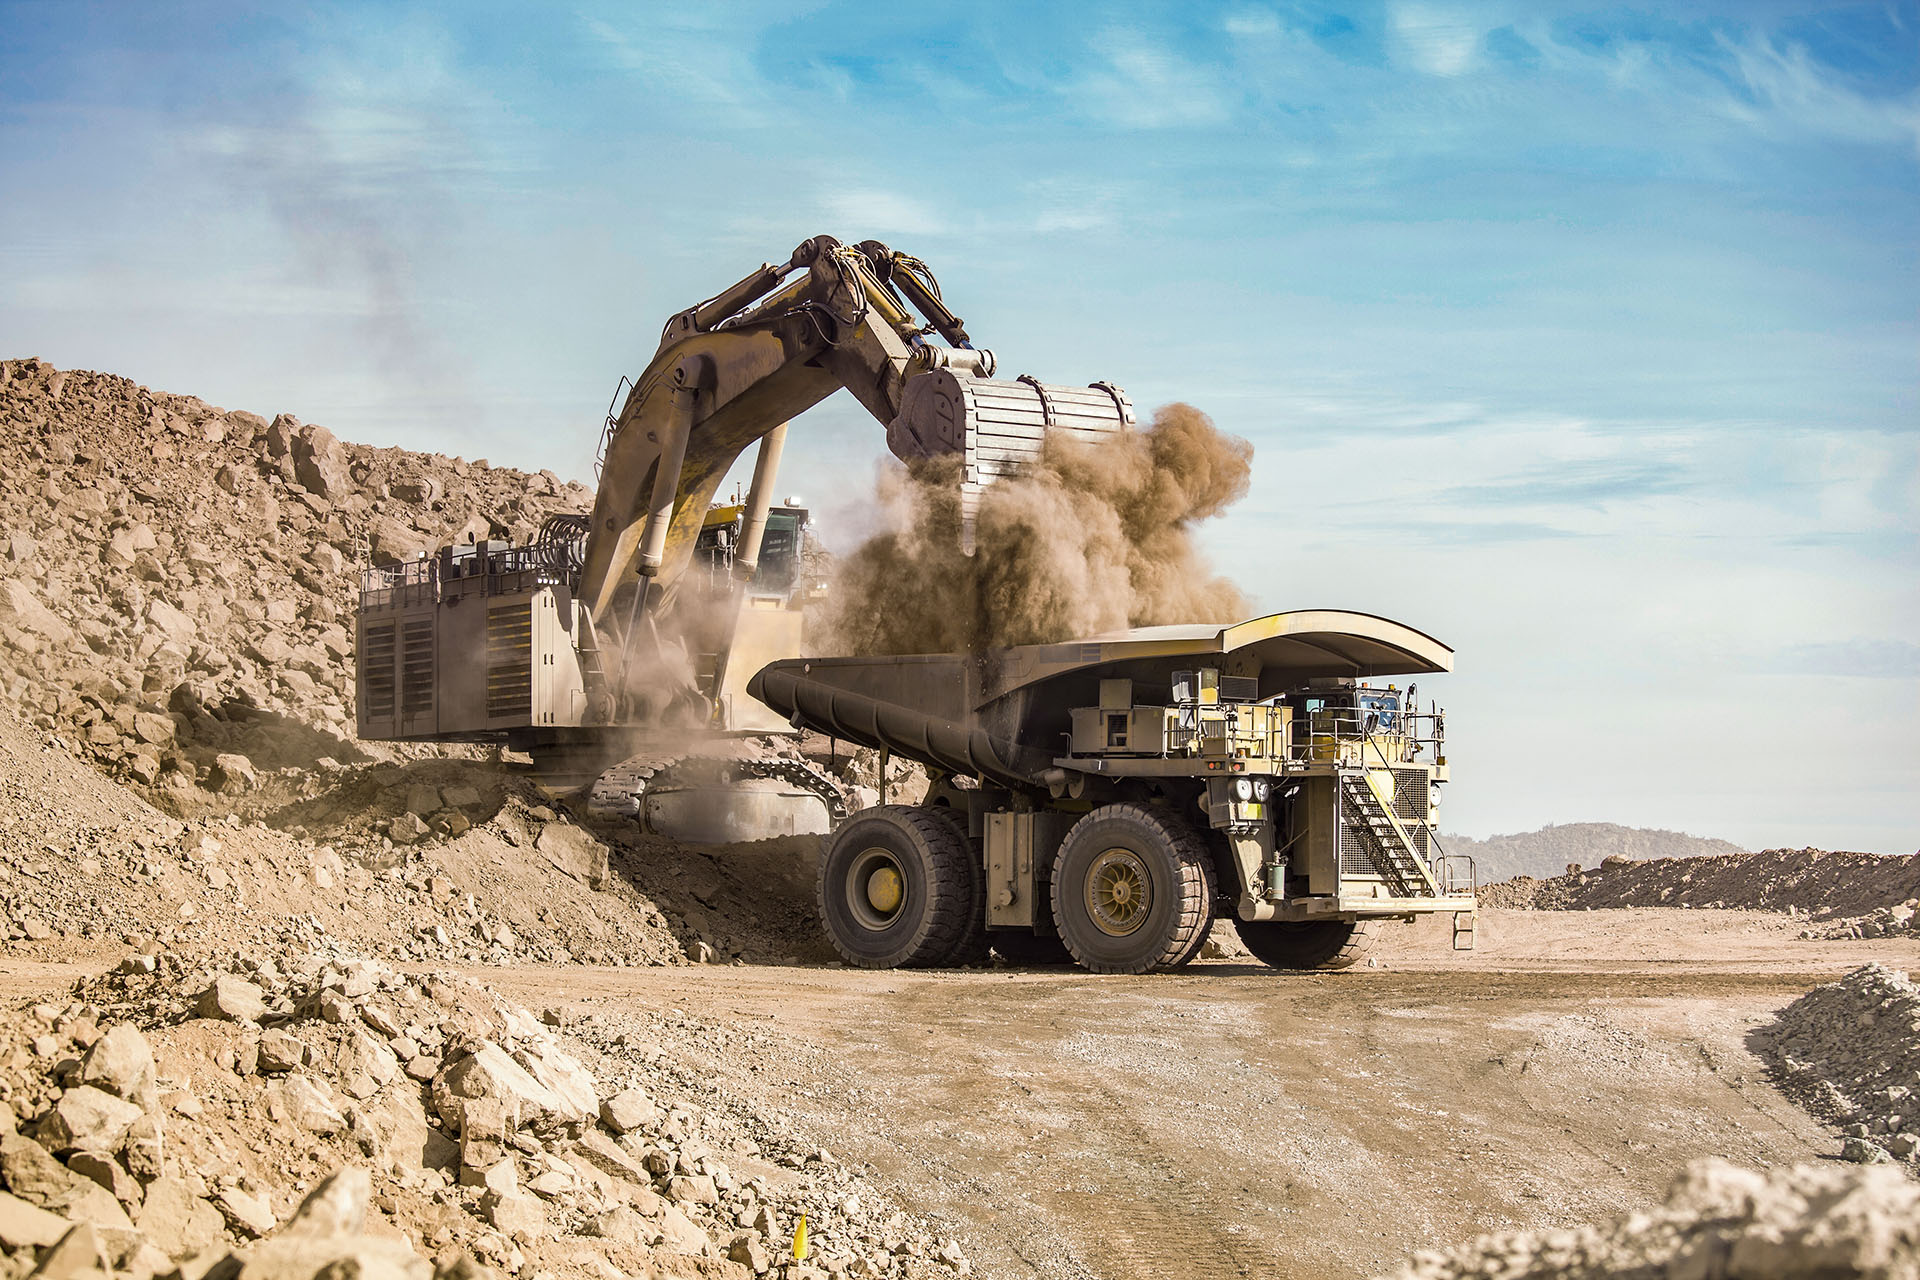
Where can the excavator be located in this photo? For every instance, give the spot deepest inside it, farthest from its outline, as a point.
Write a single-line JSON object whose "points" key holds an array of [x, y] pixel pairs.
{"points": [[608, 647]]}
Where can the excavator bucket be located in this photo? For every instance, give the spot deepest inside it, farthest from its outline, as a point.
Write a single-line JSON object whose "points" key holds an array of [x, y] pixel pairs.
{"points": [[998, 426]]}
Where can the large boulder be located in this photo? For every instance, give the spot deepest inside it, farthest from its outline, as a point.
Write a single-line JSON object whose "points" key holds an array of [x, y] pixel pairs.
{"points": [[34, 1175], [628, 1110], [175, 1220], [121, 1062], [87, 1118], [172, 623], [26, 1226], [232, 999], [391, 541], [575, 852], [490, 1073], [320, 462], [21, 607]]}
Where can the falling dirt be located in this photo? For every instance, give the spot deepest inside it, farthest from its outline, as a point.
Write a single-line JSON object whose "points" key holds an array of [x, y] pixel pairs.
{"points": [[1097, 538]]}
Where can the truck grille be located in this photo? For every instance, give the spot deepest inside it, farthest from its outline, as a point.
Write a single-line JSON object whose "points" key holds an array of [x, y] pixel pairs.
{"points": [[1410, 805]]}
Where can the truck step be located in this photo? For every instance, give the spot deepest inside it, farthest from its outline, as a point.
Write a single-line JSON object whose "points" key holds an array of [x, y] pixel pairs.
{"points": [[1463, 929]]}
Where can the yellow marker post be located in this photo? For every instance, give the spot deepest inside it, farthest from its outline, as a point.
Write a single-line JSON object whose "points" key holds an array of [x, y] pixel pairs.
{"points": [[800, 1240]]}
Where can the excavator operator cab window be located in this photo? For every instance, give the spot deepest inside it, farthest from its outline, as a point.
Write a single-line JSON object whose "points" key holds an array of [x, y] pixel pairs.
{"points": [[780, 553]]}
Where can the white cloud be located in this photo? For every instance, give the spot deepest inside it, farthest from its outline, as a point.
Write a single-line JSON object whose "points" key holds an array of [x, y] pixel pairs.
{"points": [[862, 212], [1796, 95], [1251, 22], [682, 61], [1434, 40], [1141, 84]]}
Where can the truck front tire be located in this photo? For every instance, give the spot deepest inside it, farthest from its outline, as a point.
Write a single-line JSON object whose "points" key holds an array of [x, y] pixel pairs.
{"points": [[1132, 890], [1312, 944], [896, 889]]}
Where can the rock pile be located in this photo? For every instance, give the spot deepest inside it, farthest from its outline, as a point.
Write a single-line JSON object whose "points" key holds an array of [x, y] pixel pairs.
{"points": [[1800, 881], [176, 591], [177, 581], [181, 1108], [1719, 1222], [1849, 1052], [1901, 920], [82, 858]]}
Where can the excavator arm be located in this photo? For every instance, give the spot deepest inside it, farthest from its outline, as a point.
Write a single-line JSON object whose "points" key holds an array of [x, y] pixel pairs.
{"points": [[733, 370]]}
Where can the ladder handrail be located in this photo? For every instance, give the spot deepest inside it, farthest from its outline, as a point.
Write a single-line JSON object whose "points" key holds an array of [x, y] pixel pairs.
{"points": [[1433, 835]]}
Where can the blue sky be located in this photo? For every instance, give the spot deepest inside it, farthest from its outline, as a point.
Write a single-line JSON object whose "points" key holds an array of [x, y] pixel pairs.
{"points": [[1582, 338]]}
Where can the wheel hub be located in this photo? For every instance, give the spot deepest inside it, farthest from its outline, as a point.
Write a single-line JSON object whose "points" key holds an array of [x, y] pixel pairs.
{"points": [[1119, 892], [876, 888], [883, 890]]}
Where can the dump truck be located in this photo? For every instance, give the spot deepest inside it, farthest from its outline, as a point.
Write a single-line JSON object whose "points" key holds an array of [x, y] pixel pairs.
{"points": [[1105, 800], [613, 647]]}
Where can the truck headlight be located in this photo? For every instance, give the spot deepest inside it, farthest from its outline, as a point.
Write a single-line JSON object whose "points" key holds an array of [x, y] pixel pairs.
{"points": [[1243, 789], [1261, 787]]}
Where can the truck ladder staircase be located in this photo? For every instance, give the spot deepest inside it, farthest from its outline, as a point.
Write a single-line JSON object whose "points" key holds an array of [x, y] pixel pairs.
{"points": [[1384, 840]]}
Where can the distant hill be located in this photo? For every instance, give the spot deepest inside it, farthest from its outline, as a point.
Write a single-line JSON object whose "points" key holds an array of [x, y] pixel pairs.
{"points": [[1548, 851]]}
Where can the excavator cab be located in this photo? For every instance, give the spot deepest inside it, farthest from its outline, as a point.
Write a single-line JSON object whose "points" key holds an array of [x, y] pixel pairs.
{"points": [[779, 577]]}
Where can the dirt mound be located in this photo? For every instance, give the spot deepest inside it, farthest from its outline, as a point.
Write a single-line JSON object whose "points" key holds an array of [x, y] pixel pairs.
{"points": [[187, 1102], [1720, 1222], [177, 581], [1902, 919], [176, 593], [83, 859], [1810, 882], [1850, 1053], [1553, 848]]}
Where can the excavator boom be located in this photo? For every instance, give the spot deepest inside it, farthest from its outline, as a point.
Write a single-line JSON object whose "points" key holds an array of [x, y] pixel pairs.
{"points": [[763, 351]]}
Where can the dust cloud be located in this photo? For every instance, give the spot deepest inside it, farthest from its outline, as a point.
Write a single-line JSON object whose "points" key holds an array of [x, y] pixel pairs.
{"points": [[1095, 538]]}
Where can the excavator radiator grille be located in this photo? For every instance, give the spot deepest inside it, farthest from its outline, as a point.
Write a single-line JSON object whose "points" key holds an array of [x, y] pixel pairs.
{"points": [[376, 661], [510, 661], [416, 667]]}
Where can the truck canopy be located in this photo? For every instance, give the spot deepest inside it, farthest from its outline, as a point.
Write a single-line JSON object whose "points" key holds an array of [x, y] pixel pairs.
{"points": [[1004, 713]]}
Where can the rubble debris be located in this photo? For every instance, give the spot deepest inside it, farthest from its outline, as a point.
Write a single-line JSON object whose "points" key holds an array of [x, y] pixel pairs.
{"points": [[1849, 1051], [1802, 1223], [1813, 882], [409, 1125], [1901, 920]]}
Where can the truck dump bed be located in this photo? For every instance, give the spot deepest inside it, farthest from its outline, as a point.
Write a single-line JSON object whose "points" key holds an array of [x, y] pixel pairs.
{"points": [[1004, 714]]}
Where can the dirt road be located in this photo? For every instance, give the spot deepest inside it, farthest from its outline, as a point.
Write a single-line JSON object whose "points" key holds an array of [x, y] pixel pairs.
{"points": [[1234, 1121], [1231, 1121]]}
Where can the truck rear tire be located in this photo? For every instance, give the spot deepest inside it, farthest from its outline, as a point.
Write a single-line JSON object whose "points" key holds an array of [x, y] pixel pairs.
{"points": [[1132, 890], [895, 889], [1307, 944], [970, 948]]}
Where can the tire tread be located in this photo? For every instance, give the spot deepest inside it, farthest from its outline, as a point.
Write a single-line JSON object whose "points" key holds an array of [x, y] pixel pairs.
{"points": [[1196, 887], [951, 897], [1314, 945]]}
